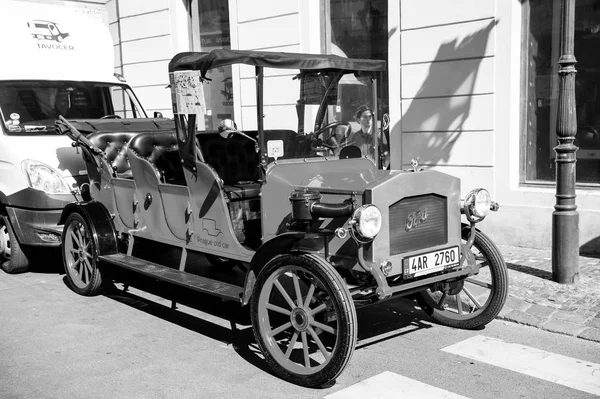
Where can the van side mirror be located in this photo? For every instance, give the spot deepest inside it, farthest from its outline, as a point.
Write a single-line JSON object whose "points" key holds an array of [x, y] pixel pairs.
{"points": [[158, 114]]}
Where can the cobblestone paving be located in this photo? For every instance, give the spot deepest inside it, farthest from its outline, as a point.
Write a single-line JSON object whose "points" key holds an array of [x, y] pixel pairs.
{"points": [[536, 300]]}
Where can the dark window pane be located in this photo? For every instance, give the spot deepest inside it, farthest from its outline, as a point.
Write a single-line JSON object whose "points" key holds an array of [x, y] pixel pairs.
{"points": [[359, 29], [540, 82]]}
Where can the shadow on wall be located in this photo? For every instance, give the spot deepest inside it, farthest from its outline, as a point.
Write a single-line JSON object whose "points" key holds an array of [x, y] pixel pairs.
{"points": [[443, 102], [591, 248]]}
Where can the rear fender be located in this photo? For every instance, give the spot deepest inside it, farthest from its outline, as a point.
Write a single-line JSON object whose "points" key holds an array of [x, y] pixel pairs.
{"points": [[278, 245], [100, 222]]}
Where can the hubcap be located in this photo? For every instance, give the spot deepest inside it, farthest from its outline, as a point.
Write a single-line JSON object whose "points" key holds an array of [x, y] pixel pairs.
{"points": [[300, 319]]}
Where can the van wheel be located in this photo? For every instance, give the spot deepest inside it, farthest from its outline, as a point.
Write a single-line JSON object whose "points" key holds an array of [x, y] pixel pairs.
{"points": [[80, 256], [12, 257], [303, 319]]}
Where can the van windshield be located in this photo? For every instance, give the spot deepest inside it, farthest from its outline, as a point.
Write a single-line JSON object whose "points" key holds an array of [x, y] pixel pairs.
{"points": [[31, 107]]}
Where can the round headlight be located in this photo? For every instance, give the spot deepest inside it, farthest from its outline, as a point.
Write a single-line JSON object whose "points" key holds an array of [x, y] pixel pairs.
{"points": [[367, 221], [479, 202]]}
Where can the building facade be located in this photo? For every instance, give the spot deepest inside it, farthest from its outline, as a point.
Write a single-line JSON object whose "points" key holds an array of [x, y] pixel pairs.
{"points": [[471, 87]]}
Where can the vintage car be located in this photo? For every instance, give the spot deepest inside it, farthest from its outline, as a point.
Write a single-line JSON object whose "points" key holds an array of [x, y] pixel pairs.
{"points": [[317, 226]]}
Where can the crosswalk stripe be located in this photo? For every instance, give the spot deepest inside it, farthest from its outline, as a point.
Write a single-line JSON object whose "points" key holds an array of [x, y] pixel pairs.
{"points": [[570, 372], [388, 385]]}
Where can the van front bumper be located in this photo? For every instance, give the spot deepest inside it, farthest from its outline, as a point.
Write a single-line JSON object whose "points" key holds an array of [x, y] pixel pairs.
{"points": [[36, 227]]}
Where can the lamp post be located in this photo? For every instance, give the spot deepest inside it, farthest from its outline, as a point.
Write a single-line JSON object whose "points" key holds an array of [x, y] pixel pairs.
{"points": [[565, 218]]}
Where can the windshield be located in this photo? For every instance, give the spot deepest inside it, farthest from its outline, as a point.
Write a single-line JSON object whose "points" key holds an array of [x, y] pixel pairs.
{"points": [[338, 109], [314, 113], [31, 107]]}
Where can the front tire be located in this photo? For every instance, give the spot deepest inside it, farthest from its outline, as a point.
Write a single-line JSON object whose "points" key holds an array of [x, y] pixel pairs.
{"points": [[80, 256], [477, 300], [304, 319], [13, 258]]}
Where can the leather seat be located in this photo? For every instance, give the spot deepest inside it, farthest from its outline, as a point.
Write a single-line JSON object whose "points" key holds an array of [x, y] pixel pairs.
{"points": [[158, 152], [114, 146], [235, 160]]}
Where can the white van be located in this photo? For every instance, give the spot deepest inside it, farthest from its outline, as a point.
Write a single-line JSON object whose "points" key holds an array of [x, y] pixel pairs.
{"points": [[57, 60]]}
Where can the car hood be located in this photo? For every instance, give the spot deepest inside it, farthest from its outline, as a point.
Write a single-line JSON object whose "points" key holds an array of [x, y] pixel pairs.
{"points": [[336, 180]]}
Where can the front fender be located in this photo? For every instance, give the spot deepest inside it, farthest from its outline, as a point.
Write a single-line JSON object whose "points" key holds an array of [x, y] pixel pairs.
{"points": [[278, 245], [100, 222]]}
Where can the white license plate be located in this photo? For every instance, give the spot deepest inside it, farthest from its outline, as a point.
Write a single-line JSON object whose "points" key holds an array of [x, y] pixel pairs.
{"points": [[431, 262]]}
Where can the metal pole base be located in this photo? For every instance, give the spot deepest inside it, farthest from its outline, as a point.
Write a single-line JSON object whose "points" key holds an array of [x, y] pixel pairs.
{"points": [[565, 248]]}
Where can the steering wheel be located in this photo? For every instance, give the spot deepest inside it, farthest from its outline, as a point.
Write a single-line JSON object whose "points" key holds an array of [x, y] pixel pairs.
{"points": [[318, 132], [111, 117], [321, 143]]}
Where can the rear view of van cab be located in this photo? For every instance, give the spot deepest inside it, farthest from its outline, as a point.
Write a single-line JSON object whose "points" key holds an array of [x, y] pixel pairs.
{"points": [[57, 60]]}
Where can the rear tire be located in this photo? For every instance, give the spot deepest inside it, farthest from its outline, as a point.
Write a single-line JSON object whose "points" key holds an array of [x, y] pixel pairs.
{"points": [[80, 256], [13, 258], [479, 298]]}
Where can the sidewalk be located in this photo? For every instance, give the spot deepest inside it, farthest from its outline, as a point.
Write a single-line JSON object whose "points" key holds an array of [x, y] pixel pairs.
{"points": [[535, 300]]}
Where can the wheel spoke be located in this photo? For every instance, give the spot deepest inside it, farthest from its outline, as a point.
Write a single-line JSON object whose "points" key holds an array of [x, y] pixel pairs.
{"points": [[297, 288], [83, 241], [318, 309], [442, 300], [305, 349], [81, 271], [284, 294], [472, 298], [479, 283], [314, 335], [290, 348], [484, 261], [458, 303], [311, 291], [280, 329], [278, 309], [75, 238], [323, 327], [88, 268]]}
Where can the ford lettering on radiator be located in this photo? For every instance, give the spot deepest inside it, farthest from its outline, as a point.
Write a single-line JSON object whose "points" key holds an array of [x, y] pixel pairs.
{"points": [[416, 218]]}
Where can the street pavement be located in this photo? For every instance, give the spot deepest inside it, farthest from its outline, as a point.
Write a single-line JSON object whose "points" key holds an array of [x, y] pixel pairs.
{"points": [[131, 343], [535, 300]]}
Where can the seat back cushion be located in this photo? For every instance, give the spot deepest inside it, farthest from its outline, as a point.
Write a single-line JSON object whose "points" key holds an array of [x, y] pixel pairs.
{"points": [[161, 151], [114, 146], [234, 159]]}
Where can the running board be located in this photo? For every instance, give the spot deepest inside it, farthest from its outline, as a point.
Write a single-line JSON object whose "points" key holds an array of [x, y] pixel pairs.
{"points": [[164, 273]]}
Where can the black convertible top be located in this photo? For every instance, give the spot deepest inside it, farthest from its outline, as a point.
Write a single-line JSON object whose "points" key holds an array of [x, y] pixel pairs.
{"points": [[216, 58]]}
